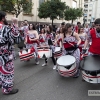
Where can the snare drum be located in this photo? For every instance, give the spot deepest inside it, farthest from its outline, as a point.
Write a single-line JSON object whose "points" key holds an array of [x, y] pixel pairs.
{"points": [[57, 52], [90, 67], [44, 52], [26, 54], [66, 66]]}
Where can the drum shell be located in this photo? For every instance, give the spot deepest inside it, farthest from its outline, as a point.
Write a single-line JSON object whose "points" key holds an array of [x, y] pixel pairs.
{"points": [[67, 72], [44, 51], [90, 76], [26, 54], [66, 68], [58, 52]]}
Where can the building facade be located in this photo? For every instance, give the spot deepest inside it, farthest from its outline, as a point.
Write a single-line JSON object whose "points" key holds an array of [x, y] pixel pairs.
{"points": [[34, 16], [91, 10]]}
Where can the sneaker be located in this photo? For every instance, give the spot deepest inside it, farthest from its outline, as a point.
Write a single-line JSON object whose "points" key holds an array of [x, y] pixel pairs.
{"points": [[54, 67], [14, 91], [37, 63], [45, 64]]}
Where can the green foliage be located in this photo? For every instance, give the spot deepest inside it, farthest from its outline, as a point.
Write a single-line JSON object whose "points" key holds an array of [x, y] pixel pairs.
{"points": [[73, 13], [52, 9], [16, 6]]}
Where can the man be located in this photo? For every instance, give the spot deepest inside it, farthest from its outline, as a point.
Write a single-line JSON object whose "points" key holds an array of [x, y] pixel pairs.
{"points": [[39, 27], [7, 38], [94, 36]]}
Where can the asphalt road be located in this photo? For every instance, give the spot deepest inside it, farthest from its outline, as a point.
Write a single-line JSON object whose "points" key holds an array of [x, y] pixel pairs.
{"points": [[43, 83]]}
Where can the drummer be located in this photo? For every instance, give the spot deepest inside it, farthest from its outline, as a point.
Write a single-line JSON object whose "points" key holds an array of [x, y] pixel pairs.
{"points": [[59, 36], [82, 36], [31, 40], [71, 46], [50, 42], [94, 36], [42, 37]]}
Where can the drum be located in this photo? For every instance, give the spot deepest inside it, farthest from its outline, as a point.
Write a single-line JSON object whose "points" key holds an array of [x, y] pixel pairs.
{"points": [[44, 52], [66, 66], [57, 52], [90, 67], [26, 54]]}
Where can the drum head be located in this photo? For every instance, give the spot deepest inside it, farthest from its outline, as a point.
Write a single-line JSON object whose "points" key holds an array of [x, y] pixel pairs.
{"points": [[91, 63], [66, 60]]}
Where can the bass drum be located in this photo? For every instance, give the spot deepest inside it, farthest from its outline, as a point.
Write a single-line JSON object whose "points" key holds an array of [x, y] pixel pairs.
{"points": [[90, 67], [44, 52], [66, 66]]}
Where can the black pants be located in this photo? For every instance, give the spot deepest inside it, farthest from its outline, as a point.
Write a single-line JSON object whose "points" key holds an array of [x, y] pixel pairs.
{"points": [[53, 60]]}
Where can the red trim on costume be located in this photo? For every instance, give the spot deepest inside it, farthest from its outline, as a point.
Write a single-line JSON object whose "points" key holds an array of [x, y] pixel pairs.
{"points": [[68, 45], [95, 46]]}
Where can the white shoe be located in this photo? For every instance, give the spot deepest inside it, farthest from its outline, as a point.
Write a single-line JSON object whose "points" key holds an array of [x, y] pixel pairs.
{"points": [[37, 63], [44, 64], [54, 67]]}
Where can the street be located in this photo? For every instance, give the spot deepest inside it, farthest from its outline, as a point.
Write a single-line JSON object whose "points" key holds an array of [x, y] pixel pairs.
{"points": [[43, 83]]}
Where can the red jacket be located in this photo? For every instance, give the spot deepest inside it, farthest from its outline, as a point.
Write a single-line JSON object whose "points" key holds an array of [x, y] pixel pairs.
{"points": [[95, 46]]}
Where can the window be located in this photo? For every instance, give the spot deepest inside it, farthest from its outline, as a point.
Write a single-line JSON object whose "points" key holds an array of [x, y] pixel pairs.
{"points": [[74, 4], [89, 14], [90, 5], [90, 10]]}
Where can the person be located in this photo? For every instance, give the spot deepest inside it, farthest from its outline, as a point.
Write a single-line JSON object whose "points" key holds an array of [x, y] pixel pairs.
{"points": [[42, 37], [50, 42], [39, 27], [86, 29], [31, 40], [77, 26], [71, 41], [7, 39], [94, 36], [83, 36]]}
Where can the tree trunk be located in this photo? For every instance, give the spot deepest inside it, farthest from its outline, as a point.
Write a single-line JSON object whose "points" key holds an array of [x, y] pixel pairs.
{"points": [[52, 22], [72, 21]]}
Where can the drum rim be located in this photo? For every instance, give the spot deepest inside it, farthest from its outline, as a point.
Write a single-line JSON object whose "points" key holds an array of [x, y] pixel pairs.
{"points": [[66, 65]]}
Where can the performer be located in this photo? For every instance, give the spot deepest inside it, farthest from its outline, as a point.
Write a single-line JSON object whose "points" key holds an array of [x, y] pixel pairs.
{"points": [[77, 26], [94, 36], [82, 36], [59, 37], [50, 41], [7, 39], [14, 26], [42, 37], [70, 45], [31, 40]]}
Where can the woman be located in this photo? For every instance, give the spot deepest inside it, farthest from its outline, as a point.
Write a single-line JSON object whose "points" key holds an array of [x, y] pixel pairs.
{"points": [[59, 37], [50, 37], [82, 36], [31, 40], [42, 37], [71, 46]]}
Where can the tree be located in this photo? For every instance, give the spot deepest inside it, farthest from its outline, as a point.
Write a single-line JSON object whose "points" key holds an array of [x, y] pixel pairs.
{"points": [[52, 9], [73, 13], [16, 6]]}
